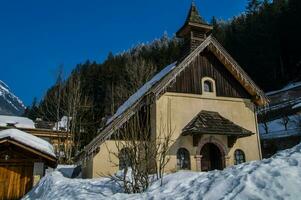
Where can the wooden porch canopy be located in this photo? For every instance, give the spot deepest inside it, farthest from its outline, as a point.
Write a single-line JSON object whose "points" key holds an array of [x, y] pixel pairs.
{"points": [[208, 122]]}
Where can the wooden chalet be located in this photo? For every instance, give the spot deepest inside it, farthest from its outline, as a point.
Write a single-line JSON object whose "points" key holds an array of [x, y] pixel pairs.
{"points": [[23, 160], [41, 129]]}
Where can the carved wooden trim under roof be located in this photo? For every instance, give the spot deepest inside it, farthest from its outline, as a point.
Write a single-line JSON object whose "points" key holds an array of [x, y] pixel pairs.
{"points": [[160, 87]]}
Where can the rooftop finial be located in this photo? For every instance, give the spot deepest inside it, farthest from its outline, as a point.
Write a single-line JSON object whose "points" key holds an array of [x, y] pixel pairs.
{"points": [[193, 14]]}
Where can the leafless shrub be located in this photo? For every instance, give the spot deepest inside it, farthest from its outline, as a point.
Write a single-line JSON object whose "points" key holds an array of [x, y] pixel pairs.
{"points": [[140, 156]]}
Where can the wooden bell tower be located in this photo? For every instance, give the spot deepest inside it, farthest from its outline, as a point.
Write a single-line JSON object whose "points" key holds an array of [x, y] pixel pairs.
{"points": [[194, 31]]}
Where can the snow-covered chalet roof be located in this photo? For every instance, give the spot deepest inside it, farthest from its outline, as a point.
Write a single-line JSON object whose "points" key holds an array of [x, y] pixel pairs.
{"points": [[18, 122], [28, 140]]}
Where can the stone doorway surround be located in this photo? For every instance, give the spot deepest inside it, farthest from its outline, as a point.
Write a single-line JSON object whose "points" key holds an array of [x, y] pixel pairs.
{"points": [[211, 139]]}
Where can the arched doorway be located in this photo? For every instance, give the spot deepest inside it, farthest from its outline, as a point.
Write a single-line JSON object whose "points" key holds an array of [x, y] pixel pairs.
{"points": [[212, 157]]}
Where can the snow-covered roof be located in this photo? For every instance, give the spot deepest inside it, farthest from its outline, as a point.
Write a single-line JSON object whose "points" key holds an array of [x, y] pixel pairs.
{"points": [[28, 140], [63, 124], [287, 87], [298, 105], [143, 90], [18, 122]]}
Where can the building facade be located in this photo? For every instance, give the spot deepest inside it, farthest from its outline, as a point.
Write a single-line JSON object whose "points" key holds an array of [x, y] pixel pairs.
{"points": [[23, 161], [204, 99]]}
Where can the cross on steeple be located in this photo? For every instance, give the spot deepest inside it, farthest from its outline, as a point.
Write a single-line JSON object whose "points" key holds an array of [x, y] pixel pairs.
{"points": [[195, 29]]}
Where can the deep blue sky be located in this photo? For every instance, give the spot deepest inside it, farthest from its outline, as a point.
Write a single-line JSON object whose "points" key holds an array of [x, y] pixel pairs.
{"points": [[36, 36]]}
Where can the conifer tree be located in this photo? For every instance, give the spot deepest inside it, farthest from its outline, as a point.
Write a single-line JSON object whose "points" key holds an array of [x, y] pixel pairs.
{"points": [[253, 6]]}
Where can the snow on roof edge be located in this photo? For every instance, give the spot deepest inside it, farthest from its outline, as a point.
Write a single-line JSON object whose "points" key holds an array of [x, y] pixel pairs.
{"points": [[20, 122], [29, 140], [285, 88], [140, 92]]}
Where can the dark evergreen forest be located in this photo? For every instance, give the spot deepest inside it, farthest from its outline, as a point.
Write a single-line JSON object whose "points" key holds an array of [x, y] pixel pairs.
{"points": [[264, 40]]}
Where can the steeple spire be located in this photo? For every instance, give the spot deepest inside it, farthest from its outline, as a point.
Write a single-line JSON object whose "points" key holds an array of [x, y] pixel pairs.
{"points": [[193, 15], [195, 29]]}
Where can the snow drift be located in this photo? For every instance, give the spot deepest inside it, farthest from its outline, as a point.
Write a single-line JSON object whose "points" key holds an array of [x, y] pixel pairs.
{"points": [[278, 178]]}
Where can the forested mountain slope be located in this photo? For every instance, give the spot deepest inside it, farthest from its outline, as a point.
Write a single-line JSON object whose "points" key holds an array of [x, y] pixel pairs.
{"points": [[264, 40]]}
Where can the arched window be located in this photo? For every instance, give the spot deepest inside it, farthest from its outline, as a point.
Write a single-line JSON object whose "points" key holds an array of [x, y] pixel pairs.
{"points": [[208, 86], [183, 159], [124, 158], [239, 157]]}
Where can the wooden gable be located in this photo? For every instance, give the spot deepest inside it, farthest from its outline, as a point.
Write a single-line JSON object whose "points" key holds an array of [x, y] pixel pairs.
{"points": [[20, 153], [207, 65]]}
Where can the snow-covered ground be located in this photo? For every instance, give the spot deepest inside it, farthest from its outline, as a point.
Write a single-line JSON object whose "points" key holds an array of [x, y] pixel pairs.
{"points": [[278, 178]]}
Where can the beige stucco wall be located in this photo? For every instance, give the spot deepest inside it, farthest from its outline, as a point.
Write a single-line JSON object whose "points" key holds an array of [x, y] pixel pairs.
{"points": [[175, 111], [172, 112], [105, 162]]}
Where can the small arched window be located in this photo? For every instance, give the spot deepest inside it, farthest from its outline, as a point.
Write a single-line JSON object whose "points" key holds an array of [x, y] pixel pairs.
{"points": [[208, 86], [124, 158], [239, 157], [183, 159]]}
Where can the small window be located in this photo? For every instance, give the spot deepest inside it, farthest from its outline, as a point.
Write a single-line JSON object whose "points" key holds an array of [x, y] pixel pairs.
{"points": [[239, 157], [124, 158], [208, 86], [183, 159]]}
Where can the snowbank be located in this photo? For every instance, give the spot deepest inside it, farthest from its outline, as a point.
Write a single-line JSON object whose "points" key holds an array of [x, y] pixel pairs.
{"points": [[19, 122], [29, 140], [56, 186], [278, 177]]}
